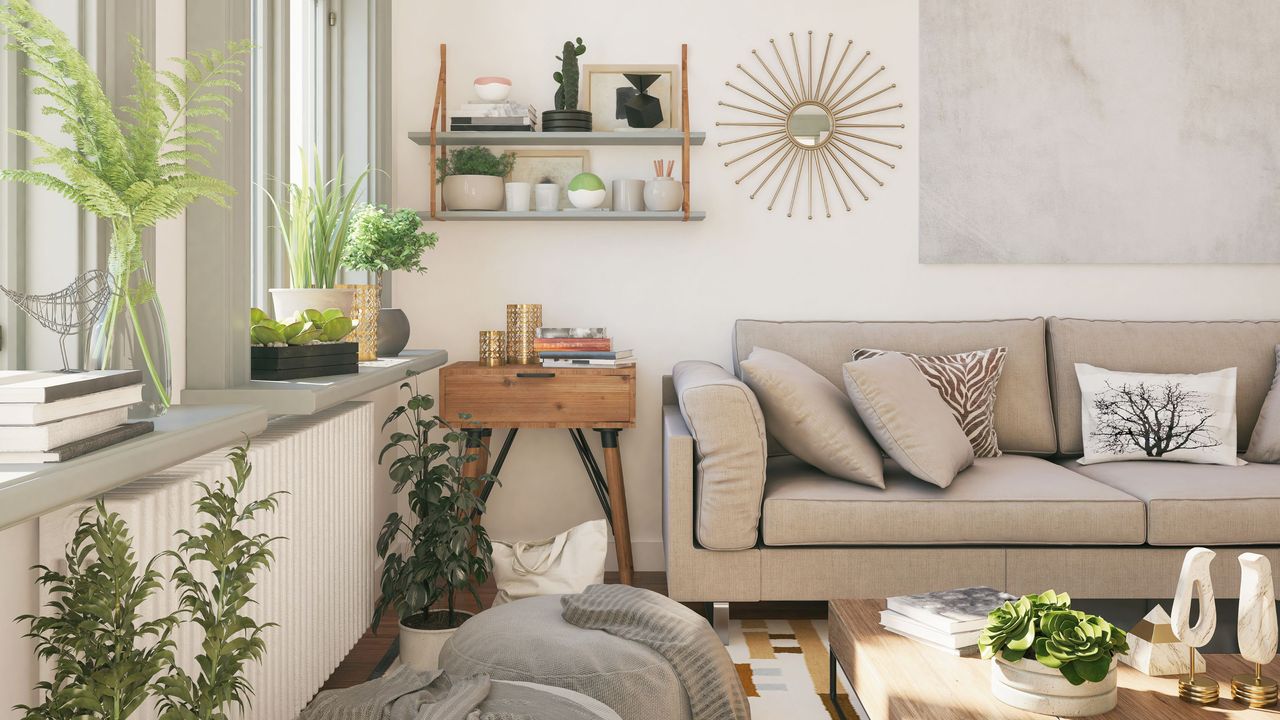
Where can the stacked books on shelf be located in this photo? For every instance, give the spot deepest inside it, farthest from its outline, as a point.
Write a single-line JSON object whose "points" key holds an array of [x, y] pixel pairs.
{"points": [[51, 416], [579, 347], [949, 620], [494, 117]]}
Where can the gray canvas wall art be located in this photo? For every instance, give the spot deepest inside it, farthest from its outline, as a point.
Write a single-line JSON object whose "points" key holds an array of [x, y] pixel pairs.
{"points": [[1100, 131]]}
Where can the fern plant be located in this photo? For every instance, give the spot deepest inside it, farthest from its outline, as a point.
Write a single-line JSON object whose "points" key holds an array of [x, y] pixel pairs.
{"points": [[131, 169], [104, 657], [233, 558]]}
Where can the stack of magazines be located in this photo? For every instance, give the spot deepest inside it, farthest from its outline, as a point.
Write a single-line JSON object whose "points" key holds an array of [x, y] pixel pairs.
{"points": [[579, 347], [52, 416], [949, 620]]}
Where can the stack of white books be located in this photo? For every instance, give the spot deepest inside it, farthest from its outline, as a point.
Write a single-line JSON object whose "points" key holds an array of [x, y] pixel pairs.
{"points": [[494, 117], [949, 620], [52, 416]]}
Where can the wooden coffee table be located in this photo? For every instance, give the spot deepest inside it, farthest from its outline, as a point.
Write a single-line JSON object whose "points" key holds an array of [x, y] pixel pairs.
{"points": [[895, 678]]}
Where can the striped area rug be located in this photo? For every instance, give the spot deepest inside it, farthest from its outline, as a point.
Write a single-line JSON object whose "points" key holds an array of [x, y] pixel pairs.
{"points": [[784, 666]]}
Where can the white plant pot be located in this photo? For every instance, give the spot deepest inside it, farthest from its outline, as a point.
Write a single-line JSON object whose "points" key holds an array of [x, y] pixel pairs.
{"points": [[288, 302], [420, 649], [587, 199], [546, 197], [473, 192], [1028, 685]]}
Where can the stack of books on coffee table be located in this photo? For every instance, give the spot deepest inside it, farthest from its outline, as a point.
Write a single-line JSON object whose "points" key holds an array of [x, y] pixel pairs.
{"points": [[52, 416], [949, 620]]}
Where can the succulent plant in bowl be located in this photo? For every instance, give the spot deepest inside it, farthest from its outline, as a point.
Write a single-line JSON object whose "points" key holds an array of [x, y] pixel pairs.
{"points": [[304, 328]]}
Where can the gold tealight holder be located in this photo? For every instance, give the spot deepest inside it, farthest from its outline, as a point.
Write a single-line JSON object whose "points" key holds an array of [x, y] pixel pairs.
{"points": [[493, 349], [523, 322], [1197, 689], [1256, 690]]}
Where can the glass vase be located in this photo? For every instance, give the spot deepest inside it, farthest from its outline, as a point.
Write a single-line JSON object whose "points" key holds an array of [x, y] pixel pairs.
{"points": [[130, 334]]}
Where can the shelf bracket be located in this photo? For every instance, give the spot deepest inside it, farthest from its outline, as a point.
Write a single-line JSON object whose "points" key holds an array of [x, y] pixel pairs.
{"points": [[438, 119], [684, 122]]}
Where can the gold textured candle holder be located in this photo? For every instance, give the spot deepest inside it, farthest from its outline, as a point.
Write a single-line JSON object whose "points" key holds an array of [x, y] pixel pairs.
{"points": [[1256, 690], [523, 322], [1197, 689], [493, 348], [366, 304]]}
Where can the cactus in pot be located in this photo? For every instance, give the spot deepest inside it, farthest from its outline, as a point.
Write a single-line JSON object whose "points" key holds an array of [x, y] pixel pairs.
{"points": [[567, 76]]}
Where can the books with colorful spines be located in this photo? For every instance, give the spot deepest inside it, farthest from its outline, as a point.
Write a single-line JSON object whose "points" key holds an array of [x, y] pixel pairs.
{"points": [[627, 362], [107, 438], [41, 413], [586, 354], [41, 438], [558, 344], [25, 386], [580, 333]]}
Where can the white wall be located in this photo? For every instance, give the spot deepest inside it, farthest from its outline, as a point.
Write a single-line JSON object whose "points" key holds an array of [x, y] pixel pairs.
{"points": [[672, 291]]}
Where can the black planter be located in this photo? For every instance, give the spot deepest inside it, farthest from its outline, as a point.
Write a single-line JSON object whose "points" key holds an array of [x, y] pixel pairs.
{"points": [[303, 361], [566, 121]]}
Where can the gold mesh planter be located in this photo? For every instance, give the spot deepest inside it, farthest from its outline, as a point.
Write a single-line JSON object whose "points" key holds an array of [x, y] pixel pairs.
{"points": [[523, 322], [364, 310]]}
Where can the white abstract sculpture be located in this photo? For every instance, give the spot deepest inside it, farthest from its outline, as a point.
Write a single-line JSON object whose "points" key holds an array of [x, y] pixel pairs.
{"points": [[1256, 629], [1195, 582], [1155, 650]]}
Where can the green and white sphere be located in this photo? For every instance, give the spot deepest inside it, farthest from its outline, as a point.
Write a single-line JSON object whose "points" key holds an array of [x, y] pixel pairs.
{"points": [[586, 191]]}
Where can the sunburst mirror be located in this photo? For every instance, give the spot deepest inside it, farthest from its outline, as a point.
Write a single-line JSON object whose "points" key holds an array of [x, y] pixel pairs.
{"points": [[816, 129]]}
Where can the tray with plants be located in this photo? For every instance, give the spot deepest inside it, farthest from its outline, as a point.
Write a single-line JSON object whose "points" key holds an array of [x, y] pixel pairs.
{"points": [[309, 344]]}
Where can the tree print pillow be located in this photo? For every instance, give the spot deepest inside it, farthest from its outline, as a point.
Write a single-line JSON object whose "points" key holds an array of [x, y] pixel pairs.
{"points": [[1145, 416], [967, 383]]}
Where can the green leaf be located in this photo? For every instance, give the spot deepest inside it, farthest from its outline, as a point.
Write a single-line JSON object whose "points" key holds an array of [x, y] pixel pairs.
{"points": [[336, 328]]}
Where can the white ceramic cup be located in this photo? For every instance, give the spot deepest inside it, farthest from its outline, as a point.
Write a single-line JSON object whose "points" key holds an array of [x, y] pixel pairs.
{"points": [[546, 197], [518, 194], [628, 195]]}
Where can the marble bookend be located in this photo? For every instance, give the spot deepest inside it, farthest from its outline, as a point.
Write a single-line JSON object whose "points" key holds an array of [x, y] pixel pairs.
{"points": [[1154, 649]]}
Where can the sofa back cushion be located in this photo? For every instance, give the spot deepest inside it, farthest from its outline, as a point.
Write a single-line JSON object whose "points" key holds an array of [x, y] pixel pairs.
{"points": [[1024, 415], [1160, 347], [729, 445]]}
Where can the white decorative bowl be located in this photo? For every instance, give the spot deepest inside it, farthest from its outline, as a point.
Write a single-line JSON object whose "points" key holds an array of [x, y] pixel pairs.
{"points": [[586, 199], [491, 88], [1028, 685]]}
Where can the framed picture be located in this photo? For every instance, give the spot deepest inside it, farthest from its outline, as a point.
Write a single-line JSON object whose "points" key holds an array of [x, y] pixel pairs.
{"points": [[605, 91], [559, 165]]}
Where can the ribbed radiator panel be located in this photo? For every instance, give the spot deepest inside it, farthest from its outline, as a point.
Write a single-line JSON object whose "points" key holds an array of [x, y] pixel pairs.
{"points": [[321, 586]]}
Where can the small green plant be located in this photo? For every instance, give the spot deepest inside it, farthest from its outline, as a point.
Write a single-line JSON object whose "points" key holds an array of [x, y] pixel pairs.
{"points": [[223, 550], [310, 327], [382, 241], [567, 76], [1044, 628], [103, 656], [314, 219], [443, 550], [474, 161]]}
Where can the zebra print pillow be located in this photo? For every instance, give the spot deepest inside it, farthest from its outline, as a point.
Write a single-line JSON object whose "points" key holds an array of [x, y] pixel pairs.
{"points": [[967, 383]]}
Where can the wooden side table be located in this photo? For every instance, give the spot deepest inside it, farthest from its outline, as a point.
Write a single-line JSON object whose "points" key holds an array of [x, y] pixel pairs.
{"points": [[534, 397]]}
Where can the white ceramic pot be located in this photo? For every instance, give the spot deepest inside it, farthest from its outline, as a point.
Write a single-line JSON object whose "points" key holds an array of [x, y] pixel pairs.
{"points": [[473, 192], [586, 199], [288, 302], [491, 88], [546, 197], [420, 649], [1028, 685], [518, 194], [663, 194]]}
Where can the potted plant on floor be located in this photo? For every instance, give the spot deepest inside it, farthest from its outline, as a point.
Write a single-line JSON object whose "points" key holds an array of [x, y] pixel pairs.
{"points": [[472, 178], [441, 550], [314, 219], [1050, 659], [380, 242]]}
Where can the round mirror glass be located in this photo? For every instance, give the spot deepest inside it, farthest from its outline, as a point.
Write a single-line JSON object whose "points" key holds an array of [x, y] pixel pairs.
{"points": [[809, 125]]}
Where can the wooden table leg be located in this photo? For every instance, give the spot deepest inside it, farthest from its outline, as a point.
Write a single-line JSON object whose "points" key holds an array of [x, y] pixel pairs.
{"points": [[478, 445], [618, 503]]}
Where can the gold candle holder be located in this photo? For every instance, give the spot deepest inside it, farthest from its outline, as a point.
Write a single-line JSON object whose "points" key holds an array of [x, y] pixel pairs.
{"points": [[367, 302], [1199, 690], [493, 349], [523, 322], [1256, 690]]}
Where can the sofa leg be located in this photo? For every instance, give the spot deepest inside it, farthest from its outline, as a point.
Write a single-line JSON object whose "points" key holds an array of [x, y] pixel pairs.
{"points": [[720, 619]]}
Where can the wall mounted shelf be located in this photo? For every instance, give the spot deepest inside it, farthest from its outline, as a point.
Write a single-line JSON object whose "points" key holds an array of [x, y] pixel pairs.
{"points": [[567, 215], [632, 138]]}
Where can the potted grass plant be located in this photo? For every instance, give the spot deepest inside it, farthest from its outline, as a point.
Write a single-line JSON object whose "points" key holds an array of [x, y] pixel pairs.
{"points": [[381, 242], [1050, 659], [440, 551], [314, 218], [471, 178], [131, 168]]}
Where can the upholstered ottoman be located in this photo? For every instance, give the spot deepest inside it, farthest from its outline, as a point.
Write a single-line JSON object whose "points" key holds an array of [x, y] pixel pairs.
{"points": [[529, 641]]}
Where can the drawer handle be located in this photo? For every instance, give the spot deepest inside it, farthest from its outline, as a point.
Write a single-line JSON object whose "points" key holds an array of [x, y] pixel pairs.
{"points": [[535, 374]]}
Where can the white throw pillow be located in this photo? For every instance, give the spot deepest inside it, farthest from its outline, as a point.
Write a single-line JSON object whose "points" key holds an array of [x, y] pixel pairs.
{"points": [[1147, 416]]}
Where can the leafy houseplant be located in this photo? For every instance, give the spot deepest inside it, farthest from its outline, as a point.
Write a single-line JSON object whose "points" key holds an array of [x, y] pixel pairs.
{"points": [[472, 178], [442, 550], [314, 220], [380, 242], [131, 170], [312, 326], [1038, 638]]}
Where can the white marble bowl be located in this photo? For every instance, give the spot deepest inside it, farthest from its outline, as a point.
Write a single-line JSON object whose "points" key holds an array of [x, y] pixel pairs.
{"points": [[1028, 685]]}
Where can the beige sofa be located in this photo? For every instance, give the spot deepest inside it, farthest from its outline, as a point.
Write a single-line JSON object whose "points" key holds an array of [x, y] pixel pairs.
{"points": [[1027, 521]]}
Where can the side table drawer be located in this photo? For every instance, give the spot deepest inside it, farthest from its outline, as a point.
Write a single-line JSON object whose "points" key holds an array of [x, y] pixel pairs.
{"points": [[528, 395]]}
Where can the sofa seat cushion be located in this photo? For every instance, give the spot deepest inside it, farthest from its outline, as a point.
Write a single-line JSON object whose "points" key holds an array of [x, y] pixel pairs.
{"points": [[1198, 504], [1009, 500]]}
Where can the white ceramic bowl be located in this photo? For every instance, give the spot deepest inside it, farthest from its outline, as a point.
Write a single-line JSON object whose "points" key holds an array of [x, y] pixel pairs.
{"points": [[586, 199], [492, 88]]}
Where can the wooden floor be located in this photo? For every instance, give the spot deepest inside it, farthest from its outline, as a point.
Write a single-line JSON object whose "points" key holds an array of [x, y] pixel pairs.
{"points": [[373, 647]]}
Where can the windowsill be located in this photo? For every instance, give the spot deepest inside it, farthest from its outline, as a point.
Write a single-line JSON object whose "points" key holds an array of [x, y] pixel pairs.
{"points": [[312, 395], [29, 491]]}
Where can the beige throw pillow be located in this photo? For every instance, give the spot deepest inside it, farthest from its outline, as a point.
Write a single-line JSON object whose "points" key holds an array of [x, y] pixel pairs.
{"points": [[811, 418], [1264, 444], [908, 417], [967, 383]]}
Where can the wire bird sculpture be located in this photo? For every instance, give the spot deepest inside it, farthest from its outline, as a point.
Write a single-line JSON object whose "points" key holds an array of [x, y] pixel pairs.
{"points": [[69, 311]]}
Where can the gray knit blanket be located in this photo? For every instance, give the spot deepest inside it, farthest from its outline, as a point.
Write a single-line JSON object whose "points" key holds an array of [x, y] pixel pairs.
{"points": [[675, 632]]}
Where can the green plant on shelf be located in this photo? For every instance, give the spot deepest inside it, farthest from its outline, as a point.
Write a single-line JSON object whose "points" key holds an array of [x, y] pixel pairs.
{"points": [[567, 76], [309, 326], [476, 160], [381, 241], [1044, 628]]}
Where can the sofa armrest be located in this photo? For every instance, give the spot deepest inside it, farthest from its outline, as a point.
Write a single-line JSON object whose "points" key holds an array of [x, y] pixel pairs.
{"points": [[677, 480]]}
